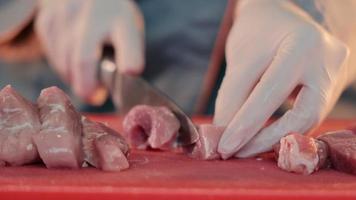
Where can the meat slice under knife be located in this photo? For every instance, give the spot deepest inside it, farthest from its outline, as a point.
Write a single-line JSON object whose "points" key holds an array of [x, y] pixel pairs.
{"points": [[342, 149], [301, 154], [19, 121], [207, 145], [59, 142], [149, 126], [103, 147]]}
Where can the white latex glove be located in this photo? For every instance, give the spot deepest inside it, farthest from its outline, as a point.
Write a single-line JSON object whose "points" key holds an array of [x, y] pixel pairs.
{"points": [[73, 33], [272, 48]]}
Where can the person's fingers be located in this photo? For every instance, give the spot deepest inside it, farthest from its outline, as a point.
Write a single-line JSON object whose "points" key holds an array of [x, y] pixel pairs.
{"points": [[281, 77], [308, 111], [66, 40], [85, 55], [234, 90], [243, 71], [62, 58], [128, 40], [48, 27], [84, 68], [63, 48]]}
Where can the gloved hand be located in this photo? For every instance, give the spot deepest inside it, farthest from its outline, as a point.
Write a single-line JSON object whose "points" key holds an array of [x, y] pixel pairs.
{"points": [[272, 48], [73, 32]]}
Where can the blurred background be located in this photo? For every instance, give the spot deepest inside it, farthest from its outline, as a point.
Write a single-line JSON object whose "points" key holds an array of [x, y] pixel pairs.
{"points": [[23, 65]]}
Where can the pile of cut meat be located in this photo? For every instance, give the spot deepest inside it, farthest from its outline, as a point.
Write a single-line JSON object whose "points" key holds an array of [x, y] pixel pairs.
{"points": [[158, 128], [54, 132]]}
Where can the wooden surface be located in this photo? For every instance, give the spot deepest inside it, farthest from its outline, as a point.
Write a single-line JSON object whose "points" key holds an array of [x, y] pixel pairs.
{"points": [[162, 175]]}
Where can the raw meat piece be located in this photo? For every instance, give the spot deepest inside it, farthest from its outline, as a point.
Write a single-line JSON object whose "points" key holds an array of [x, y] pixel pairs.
{"points": [[300, 154], [323, 153], [103, 147], [150, 126], [19, 121], [207, 145], [59, 142], [342, 149], [2, 163], [112, 157], [352, 128]]}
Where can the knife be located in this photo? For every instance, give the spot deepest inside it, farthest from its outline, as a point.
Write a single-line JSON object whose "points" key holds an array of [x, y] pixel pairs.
{"points": [[128, 91]]}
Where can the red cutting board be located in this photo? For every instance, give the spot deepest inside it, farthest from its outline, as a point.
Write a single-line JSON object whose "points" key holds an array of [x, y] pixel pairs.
{"points": [[160, 175]]}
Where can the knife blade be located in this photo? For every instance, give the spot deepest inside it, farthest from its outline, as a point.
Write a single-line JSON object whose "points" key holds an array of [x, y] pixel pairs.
{"points": [[128, 91]]}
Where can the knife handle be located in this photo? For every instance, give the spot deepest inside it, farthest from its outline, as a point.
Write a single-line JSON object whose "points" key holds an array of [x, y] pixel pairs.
{"points": [[107, 67], [106, 70]]}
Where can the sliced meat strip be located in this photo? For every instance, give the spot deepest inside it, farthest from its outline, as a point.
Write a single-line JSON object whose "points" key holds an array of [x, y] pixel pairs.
{"points": [[103, 147], [207, 145], [149, 126], [298, 153], [59, 142], [111, 156], [19, 122], [342, 149]]}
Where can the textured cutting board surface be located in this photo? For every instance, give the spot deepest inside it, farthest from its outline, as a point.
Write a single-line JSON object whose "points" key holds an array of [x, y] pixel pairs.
{"points": [[163, 175]]}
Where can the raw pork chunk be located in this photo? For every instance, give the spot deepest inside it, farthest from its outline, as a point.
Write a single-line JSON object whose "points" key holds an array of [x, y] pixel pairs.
{"points": [[342, 149], [59, 142], [19, 121], [207, 145], [150, 126], [301, 154], [352, 128], [103, 147], [112, 157]]}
